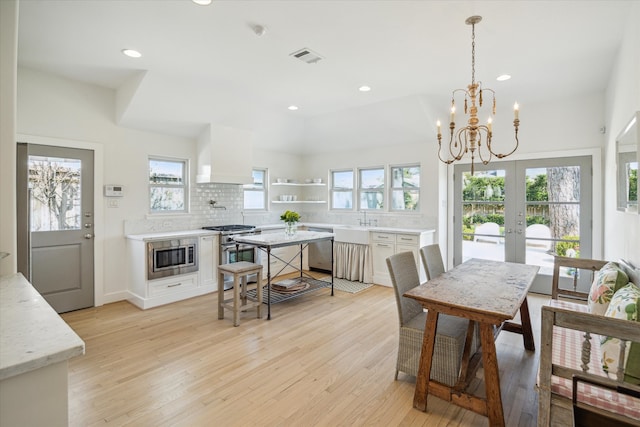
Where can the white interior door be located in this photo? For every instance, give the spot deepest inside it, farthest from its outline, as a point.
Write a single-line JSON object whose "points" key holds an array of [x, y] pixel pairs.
{"points": [[56, 190], [524, 211]]}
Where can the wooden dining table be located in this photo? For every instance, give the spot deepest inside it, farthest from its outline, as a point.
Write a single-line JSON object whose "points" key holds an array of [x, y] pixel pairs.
{"points": [[489, 293]]}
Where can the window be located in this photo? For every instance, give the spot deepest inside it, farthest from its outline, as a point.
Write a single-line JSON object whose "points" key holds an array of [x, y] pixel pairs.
{"points": [[255, 195], [371, 188], [405, 188], [342, 189], [168, 187]]}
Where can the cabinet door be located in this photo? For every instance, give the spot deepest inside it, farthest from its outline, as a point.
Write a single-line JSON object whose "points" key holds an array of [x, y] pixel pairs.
{"points": [[380, 252], [208, 260]]}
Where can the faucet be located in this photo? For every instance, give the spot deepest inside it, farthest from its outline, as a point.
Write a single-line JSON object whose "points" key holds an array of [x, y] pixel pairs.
{"points": [[365, 222]]}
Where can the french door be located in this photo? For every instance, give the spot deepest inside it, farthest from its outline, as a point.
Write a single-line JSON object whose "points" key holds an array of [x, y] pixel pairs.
{"points": [[524, 211]]}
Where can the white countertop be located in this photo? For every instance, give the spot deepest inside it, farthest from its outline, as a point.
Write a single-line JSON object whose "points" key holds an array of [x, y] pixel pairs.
{"points": [[279, 239], [171, 234], [376, 228], [32, 334]]}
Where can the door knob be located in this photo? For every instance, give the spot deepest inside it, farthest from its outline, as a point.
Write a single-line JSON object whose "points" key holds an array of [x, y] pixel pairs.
{"points": [[88, 236]]}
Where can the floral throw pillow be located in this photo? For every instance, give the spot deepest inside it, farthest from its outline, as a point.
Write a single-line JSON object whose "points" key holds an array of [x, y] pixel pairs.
{"points": [[625, 304], [607, 281]]}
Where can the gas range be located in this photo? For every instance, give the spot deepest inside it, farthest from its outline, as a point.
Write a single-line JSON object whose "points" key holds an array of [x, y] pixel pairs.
{"points": [[228, 231]]}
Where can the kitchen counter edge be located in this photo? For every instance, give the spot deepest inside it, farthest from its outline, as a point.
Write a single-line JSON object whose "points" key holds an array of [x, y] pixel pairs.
{"points": [[32, 334]]}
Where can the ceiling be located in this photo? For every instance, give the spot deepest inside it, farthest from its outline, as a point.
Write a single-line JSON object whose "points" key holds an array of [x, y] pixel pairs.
{"points": [[206, 64]]}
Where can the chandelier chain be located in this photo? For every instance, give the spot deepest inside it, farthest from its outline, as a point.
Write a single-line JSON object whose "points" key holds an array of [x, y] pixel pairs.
{"points": [[473, 54]]}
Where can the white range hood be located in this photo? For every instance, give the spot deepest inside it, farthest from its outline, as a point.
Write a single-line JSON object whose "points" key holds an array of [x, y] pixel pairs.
{"points": [[225, 156]]}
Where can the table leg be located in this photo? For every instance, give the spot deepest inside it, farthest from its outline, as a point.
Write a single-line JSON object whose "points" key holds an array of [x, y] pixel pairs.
{"points": [[269, 283], [491, 376], [527, 332], [424, 372]]}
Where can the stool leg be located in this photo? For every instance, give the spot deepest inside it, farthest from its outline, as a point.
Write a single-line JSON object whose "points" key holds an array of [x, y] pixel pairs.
{"points": [[244, 290], [259, 294], [220, 295], [236, 300]]}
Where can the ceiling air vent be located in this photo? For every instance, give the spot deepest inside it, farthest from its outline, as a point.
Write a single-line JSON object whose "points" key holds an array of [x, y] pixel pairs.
{"points": [[307, 56]]}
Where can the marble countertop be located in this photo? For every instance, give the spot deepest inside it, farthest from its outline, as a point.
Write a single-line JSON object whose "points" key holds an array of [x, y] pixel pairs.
{"points": [[279, 239], [372, 228], [32, 334], [171, 234]]}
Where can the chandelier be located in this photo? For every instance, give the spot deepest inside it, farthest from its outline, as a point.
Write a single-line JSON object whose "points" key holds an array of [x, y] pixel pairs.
{"points": [[474, 138]]}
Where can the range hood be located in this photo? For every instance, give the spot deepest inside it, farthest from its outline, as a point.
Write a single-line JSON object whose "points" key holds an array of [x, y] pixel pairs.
{"points": [[225, 156]]}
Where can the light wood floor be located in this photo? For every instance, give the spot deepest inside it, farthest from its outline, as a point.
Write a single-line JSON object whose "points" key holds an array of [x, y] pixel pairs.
{"points": [[320, 361]]}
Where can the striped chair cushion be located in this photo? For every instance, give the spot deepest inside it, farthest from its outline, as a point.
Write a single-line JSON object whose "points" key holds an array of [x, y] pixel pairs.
{"points": [[567, 348]]}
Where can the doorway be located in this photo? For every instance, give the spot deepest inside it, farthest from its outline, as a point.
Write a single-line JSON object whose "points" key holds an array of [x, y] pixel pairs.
{"points": [[524, 211], [56, 223]]}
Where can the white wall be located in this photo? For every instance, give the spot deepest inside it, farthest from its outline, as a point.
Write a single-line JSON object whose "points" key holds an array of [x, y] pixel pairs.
{"points": [[59, 111], [622, 230]]}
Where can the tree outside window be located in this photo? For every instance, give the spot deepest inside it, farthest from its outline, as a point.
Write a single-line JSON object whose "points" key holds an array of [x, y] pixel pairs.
{"points": [[405, 188], [371, 188], [168, 189]]}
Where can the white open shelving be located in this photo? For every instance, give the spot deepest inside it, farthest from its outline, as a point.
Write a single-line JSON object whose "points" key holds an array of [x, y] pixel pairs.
{"points": [[299, 184]]}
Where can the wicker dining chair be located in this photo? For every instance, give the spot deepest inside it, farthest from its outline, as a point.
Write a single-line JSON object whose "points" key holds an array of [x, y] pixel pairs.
{"points": [[432, 260], [450, 334]]}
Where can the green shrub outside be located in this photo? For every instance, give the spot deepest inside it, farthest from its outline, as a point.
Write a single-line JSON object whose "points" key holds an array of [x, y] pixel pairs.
{"points": [[563, 247]]}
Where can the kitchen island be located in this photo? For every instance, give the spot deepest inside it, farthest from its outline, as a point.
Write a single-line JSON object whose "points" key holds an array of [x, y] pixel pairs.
{"points": [[35, 345], [305, 282]]}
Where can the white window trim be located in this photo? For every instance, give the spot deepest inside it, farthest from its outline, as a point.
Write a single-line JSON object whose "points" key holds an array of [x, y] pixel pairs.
{"points": [[383, 190], [264, 189], [391, 188], [185, 185], [333, 189]]}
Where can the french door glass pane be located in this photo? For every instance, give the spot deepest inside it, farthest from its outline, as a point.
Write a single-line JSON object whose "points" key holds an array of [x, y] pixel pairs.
{"points": [[55, 188], [552, 214], [483, 197]]}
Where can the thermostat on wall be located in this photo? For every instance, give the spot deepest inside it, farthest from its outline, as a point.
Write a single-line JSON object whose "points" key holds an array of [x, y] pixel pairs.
{"points": [[111, 190]]}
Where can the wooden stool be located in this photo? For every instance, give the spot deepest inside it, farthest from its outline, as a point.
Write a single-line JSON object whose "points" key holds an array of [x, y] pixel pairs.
{"points": [[240, 301]]}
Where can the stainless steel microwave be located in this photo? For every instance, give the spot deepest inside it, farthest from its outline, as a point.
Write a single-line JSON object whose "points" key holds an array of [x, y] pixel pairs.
{"points": [[171, 257]]}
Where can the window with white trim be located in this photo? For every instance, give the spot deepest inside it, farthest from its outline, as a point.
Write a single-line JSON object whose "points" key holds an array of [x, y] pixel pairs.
{"points": [[342, 189], [255, 195], [371, 188], [405, 188], [168, 185]]}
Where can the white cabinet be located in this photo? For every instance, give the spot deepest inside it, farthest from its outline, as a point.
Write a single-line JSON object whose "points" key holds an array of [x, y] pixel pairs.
{"points": [[285, 192], [208, 261], [151, 293], [385, 244]]}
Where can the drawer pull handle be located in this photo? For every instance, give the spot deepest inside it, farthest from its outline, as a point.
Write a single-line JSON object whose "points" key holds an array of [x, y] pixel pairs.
{"points": [[406, 238], [382, 245], [383, 237], [174, 285]]}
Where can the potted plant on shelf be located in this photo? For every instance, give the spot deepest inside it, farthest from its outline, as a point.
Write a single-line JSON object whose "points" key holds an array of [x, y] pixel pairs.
{"points": [[290, 219]]}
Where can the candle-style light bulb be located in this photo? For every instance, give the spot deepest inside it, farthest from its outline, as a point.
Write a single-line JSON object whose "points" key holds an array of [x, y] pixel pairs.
{"points": [[489, 122], [438, 124], [516, 111], [453, 114]]}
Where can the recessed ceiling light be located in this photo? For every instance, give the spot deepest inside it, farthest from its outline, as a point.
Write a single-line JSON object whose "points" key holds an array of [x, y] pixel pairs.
{"points": [[131, 53], [202, 2], [503, 77], [293, 107], [364, 88]]}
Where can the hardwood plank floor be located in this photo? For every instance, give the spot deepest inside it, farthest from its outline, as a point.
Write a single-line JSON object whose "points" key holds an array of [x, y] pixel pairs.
{"points": [[320, 361]]}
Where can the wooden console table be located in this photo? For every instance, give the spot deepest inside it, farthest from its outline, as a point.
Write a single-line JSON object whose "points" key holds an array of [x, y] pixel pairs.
{"points": [[487, 292]]}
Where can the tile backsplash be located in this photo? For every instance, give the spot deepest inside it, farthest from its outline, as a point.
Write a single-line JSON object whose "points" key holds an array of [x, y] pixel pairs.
{"points": [[228, 209]]}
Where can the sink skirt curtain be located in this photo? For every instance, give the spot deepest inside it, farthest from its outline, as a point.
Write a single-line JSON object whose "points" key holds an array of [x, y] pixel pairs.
{"points": [[353, 262]]}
